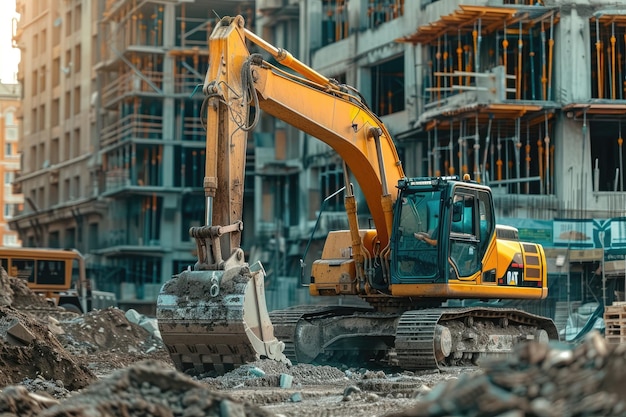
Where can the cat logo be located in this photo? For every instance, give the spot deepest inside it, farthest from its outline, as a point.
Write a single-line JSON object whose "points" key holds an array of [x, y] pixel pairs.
{"points": [[511, 277]]}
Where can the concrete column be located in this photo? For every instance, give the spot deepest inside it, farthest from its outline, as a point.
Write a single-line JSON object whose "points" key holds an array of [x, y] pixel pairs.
{"points": [[571, 80], [573, 172], [169, 116], [571, 77], [310, 29]]}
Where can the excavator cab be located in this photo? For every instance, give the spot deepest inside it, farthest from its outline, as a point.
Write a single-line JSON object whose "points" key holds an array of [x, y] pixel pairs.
{"points": [[442, 231]]}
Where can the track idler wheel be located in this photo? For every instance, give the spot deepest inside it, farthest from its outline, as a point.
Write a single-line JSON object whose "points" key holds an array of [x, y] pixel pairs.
{"points": [[442, 342]]}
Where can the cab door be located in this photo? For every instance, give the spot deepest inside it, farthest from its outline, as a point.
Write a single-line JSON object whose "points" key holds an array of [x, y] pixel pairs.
{"points": [[471, 230]]}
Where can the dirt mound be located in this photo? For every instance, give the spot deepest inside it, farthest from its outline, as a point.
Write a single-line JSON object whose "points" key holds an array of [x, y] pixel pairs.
{"points": [[14, 292], [147, 388], [29, 350]]}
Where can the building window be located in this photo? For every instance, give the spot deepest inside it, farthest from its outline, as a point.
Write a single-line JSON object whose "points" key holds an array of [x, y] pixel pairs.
{"points": [[8, 210], [42, 79], [68, 105], [77, 58], [11, 133], [33, 158], [56, 72], [66, 190], [387, 88], [67, 147], [76, 100], [56, 31], [35, 46], [34, 85], [55, 113], [92, 236], [78, 14], [76, 189], [44, 40], [34, 119], [70, 237], [54, 239], [8, 151], [42, 117], [8, 177], [381, 11], [607, 156], [54, 194], [76, 143], [331, 180], [54, 151], [68, 23], [9, 240], [193, 211], [335, 23], [40, 195]]}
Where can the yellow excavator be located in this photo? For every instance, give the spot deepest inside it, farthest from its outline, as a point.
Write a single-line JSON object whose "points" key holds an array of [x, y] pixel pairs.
{"points": [[435, 245]]}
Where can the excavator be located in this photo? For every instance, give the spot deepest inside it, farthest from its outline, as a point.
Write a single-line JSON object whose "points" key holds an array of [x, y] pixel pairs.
{"points": [[426, 273]]}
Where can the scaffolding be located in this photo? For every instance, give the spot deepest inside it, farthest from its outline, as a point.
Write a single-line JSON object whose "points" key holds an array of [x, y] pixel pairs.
{"points": [[489, 99], [488, 102]]}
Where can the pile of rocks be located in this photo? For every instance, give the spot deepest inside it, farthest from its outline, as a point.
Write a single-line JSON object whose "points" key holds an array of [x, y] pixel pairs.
{"points": [[538, 380]]}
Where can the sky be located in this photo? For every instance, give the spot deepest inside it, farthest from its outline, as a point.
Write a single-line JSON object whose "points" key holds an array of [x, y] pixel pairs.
{"points": [[9, 56]]}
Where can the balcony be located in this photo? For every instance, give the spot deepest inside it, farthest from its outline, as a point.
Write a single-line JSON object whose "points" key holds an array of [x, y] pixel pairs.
{"points": [[133, 126], [131, 84]]}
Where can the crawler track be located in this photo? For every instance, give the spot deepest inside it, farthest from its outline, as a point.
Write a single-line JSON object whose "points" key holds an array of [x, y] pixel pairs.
{"points": [[418, 339]]}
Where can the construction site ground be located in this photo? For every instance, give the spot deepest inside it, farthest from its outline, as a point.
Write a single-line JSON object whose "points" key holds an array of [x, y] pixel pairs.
{"points": [[56, 363]]}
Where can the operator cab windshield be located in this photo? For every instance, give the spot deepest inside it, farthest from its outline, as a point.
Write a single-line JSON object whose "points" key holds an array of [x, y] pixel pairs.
{"points": [[417, 236]]}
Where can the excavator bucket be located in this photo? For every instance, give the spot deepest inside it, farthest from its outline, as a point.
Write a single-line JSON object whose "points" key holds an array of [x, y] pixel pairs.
{"points": [[217, 320]]}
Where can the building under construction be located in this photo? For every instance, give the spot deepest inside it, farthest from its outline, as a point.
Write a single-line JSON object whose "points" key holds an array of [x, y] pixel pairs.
{"points": [[112, 141], [528, 97]]}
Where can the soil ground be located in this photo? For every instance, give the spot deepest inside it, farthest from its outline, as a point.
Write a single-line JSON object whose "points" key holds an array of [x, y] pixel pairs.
{"points": [[56, 363]]}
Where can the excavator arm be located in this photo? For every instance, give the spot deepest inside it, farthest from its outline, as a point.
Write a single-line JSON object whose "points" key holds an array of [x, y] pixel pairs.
{"points": [[318, 106]]}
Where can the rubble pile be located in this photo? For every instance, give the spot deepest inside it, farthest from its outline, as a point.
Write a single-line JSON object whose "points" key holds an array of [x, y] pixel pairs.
{"points": [[268, 373], [29, 350], [538, 380], [110, 363], [58, 356], [106, 330], [148, 388], [15, 293]]}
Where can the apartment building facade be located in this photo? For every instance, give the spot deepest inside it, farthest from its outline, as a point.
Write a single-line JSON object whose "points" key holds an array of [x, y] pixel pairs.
{"points": [[9, 160]]}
